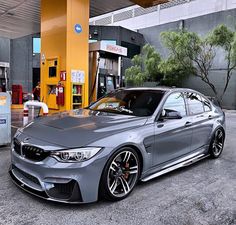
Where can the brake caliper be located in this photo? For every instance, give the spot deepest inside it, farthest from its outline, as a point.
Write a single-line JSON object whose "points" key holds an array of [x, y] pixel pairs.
{"points": [[126, 172]]}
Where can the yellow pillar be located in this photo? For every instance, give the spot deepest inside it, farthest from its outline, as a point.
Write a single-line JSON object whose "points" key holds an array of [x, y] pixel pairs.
{"points": [[64, 41]]}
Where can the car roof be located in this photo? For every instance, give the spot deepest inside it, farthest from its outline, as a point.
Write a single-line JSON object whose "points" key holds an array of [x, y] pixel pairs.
{"points": [[162, 88]]}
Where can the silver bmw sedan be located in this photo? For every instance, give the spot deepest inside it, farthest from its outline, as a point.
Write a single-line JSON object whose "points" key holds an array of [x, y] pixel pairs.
{"points": [[127, 136]]}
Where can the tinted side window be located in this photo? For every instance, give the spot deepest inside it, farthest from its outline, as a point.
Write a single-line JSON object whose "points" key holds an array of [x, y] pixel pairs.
{"points": [[175, 102], [206, 105], [195, 103]]}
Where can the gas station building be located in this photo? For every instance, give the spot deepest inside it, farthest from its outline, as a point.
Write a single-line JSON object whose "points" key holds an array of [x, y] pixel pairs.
{"points": [[79, 49], [67, 80], [60, 56]]}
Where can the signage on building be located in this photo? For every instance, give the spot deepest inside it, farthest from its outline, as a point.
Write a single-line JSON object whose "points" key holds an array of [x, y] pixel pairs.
{"points": [[78, 28], [63, 76], [77, 76], [3, 121], [108, 47], [3, 100], [115, 49]]}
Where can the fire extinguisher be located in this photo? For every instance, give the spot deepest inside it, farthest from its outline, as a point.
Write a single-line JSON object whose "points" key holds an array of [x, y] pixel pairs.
{"points": [[60, 94]]}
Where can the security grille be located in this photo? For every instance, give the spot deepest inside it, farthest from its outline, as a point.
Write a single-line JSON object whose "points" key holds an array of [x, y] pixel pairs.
{"points": [[123, 16], [104, 21], [142, 11], [173, 3]]}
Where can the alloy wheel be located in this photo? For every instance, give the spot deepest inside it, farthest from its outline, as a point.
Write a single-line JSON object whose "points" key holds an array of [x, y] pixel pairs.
{"points": [[122, 174], [218, 143]]}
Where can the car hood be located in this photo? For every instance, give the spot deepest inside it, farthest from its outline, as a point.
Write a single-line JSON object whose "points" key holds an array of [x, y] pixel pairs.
{"points": [[80, 127]]}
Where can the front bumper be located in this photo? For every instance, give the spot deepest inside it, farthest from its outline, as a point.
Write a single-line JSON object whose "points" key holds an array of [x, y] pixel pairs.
{"points": [[56, 181]]}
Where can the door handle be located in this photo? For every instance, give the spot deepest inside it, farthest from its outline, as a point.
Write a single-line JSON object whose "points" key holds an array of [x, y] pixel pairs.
{"points": [[188, 124], [201, 116], [160, 125], [210, 117]]}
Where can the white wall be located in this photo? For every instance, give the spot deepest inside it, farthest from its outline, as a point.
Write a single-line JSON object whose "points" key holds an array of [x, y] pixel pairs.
{"points": [[184, 10]]}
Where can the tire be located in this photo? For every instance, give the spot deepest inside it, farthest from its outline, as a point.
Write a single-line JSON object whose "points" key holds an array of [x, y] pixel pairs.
{"points": [[217, 143], [120, 175]]}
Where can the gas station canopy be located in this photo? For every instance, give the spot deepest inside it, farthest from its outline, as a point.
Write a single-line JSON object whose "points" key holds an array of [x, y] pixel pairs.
{"points": [[22, 17]]}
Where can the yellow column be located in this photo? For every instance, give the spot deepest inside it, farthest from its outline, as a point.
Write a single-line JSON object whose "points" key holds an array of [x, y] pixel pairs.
{"points": [[64, 37]]}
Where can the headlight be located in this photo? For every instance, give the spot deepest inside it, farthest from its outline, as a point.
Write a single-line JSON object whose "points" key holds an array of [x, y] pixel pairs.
{"points": [[75, 155]]}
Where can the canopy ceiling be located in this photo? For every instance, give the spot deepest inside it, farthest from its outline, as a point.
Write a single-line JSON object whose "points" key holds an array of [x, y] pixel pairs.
{"points": [[22, 17]]}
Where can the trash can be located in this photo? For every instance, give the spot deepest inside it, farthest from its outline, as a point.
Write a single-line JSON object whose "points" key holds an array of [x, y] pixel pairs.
{"points": [[5, 118]]}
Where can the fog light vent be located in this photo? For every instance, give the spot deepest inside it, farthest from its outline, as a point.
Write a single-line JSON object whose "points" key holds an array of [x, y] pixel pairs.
{"points": [[64, 191]]}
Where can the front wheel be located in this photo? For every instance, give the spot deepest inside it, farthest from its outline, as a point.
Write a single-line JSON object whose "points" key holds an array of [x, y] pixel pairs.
{"points": [[120, 174], [217, 143]]}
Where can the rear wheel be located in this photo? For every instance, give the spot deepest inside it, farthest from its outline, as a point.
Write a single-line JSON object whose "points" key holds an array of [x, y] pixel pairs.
{"points": [[120, 174], [217, 143]]}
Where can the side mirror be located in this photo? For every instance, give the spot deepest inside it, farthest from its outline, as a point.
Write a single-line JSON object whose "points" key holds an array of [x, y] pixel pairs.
{"points": [[170, 115]]}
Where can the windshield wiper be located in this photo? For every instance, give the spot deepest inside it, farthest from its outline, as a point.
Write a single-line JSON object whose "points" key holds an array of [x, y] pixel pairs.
{"points": [[123, 109], [116, 109]]}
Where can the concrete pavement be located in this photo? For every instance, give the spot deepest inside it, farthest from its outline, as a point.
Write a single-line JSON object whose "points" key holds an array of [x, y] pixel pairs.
{"points": [[201, 194]]}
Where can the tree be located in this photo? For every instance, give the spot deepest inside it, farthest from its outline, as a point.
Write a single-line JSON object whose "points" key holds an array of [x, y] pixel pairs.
{"points": [[145, 67], [226, 39], [195, 55], [173, 72], [190, 53]]}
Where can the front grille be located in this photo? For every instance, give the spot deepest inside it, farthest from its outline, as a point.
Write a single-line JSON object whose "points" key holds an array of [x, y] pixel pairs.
{"points": [[30, 152], [34, 153], [26, 175], [17, 146]]}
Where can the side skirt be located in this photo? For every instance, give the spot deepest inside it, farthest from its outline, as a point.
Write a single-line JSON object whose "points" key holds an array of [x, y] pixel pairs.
{"points": [[175, 165]]}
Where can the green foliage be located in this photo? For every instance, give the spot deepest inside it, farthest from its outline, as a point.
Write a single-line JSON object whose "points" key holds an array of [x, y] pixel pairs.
{"points": [[233, 52], [221, 36], [182, 45], [145, 67], [189, 54], [134, 76], [225, 38], [173, 72], [185, 50], [194, 55]]}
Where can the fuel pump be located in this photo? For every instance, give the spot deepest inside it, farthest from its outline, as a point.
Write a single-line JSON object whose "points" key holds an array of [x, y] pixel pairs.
{"points": [[105, 68], [4, 79]]}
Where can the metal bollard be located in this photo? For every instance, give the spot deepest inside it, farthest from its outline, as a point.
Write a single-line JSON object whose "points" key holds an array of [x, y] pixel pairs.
{"points": [[33, 103]]}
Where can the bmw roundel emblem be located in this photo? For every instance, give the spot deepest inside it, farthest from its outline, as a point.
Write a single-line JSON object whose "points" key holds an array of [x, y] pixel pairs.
{"points": [[26, 140], [78, 28]]}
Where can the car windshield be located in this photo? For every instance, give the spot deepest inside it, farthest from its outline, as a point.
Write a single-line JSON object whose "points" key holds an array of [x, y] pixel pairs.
{"points": [[129, 102]]}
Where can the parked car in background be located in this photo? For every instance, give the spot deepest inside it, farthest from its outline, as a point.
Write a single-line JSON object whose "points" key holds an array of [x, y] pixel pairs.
{"points": [[126, 136]]}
